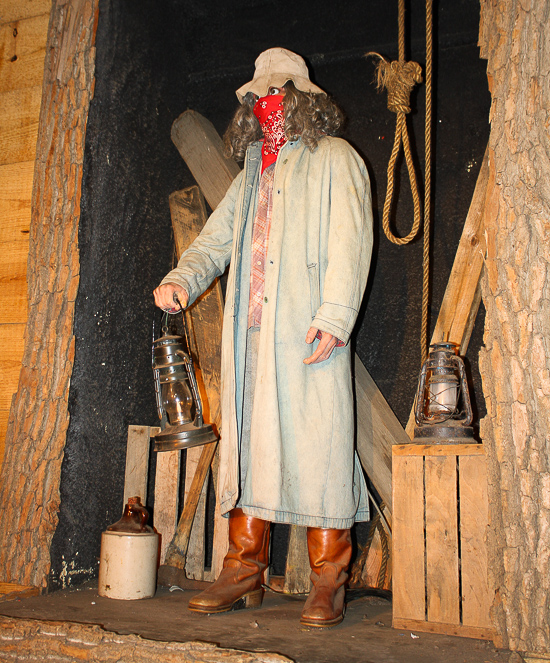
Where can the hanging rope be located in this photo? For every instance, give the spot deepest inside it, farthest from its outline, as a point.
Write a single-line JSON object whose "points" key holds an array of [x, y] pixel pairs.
{"points": [[399, 78]]}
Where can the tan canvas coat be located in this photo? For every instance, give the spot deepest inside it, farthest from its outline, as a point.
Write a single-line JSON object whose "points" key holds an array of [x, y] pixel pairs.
{"points": [[302, 465]]}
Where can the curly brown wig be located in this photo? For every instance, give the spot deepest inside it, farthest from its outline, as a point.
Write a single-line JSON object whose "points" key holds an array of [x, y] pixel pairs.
{"points": [[307, 115]]}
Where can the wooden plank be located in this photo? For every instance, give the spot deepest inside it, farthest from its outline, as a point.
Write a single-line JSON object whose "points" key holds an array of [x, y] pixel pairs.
{"points": [[408, 538], [442, 588], [439, 450], [474, 518], [4, 416], [378, 429], [15, 11], [10, 591], [13, 281], [137, 462], [446, 629], [194, 563], [15, 200], [298, 571], [205, 318], [11, 353], [166, 497], [462, 297], [19, 113], [23, 47], [201, 147]]}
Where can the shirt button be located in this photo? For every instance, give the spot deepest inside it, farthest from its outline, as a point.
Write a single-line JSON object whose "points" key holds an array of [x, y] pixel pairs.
{"points": [[259, 262]]}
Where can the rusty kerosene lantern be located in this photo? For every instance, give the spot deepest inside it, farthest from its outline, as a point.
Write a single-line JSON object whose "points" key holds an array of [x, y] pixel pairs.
{"points": [[179, 404], [443, 410]]}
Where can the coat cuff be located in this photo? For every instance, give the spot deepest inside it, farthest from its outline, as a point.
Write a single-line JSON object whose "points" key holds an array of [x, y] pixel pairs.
{"points": [[335, 319]]}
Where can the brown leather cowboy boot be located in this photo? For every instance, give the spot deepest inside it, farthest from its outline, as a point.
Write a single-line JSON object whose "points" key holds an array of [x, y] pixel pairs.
{"points": [[239, 584], [329, 557]]}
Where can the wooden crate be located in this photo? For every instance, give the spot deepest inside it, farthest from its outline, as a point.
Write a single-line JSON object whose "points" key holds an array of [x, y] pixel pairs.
{"points": [[440, 515]]}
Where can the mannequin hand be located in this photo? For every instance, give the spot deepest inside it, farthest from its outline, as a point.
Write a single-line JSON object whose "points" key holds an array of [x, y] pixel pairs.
{"points": [[324, 349], [164, 297]]}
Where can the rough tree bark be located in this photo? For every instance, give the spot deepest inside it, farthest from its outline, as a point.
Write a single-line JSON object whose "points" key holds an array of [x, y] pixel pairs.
{"points": [[29, 484], [515, 363]]}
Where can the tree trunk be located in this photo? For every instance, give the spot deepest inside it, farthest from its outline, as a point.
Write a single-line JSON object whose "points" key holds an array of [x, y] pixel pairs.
{"points": [[515, 363], [29, 484]]}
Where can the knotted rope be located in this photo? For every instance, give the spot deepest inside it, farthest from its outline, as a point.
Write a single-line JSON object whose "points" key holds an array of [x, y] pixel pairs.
{"points": [[399, 78]]}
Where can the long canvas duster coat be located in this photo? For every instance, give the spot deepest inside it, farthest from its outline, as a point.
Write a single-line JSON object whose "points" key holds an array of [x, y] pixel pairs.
{"points": [[302, 465]]}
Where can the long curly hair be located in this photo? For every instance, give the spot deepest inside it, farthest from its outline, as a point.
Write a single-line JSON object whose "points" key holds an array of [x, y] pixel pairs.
{"points": [[307, 115]]}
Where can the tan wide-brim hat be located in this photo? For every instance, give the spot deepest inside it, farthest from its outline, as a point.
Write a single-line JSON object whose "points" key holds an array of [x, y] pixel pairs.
{"points": [[274, 68]]}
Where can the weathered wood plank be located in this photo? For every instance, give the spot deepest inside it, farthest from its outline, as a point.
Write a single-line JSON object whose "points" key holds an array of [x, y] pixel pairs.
{"points": [[201, 147], [447, 629], [378, 429], [166, 497], [194, 563], [298, 571], [474, 515], [15, 11], [10, 591], [408, 538], [137, 462], [13, 282], [11, 352], [15, 200], [4, 414], [462, 297], [23, 48], [439, 450], [19, 112], [205, 319], [442, 589]]}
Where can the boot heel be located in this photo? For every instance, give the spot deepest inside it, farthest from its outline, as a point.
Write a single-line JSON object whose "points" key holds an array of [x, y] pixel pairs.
{"points": [[254, 599]]}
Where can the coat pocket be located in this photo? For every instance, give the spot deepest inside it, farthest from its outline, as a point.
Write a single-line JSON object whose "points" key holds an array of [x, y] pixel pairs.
{"points": [[314, 289]]}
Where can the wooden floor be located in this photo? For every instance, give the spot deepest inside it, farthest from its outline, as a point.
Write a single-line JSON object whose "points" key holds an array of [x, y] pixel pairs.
{"points": [[365, 636]]}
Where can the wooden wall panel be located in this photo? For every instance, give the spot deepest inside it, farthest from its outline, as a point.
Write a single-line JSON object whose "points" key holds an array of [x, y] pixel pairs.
{"points": [[23, 47], [15, 10], [19, 111], [11, 342], [15, 200]]}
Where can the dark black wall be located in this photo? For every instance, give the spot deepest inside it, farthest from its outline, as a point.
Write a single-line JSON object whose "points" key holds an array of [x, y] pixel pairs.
{"points": [[155, 60]]}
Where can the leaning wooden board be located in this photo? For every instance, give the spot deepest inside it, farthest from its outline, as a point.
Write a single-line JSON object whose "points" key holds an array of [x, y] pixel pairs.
{"points": [[205, 317]]}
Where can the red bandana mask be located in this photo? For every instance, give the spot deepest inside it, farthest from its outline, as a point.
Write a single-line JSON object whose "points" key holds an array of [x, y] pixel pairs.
{"points": [[271, 116]]}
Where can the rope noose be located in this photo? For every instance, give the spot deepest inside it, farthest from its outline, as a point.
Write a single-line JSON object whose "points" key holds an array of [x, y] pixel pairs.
{"points": [[399, 78]]}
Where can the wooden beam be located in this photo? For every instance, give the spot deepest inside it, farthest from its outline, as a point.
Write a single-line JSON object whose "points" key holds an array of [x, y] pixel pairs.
{"points": [[378, 429], [205, 319], [201, 147], [39, 416], [460, 304]]}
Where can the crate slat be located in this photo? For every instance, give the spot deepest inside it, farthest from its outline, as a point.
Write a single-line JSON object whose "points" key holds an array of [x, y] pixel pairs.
{"points": [[408, 545], [473, 513], [441, 540]]}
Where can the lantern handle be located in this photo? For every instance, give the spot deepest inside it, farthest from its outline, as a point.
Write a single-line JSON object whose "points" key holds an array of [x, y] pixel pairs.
{"points": [[419, 392], [465, 391]]}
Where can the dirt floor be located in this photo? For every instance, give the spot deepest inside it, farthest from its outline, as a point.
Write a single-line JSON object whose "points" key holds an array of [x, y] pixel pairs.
{"points": [[365, 635]]}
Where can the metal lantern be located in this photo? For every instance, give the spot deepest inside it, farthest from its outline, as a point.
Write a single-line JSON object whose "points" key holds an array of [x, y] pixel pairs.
{"points": [[443, 410], [178, 401]]}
